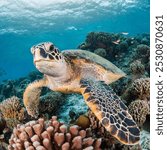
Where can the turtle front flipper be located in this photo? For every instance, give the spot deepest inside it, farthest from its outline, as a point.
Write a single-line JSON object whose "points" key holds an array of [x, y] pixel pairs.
{"points": [[110, 110], [31, 97]]}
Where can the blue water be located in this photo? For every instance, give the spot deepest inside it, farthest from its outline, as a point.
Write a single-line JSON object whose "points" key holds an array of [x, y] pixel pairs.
{"points": [[63, 22]]}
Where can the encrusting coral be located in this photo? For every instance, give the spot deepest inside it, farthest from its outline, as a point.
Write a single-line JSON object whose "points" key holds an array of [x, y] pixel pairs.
{"points": [[12, 111], [50, 135], [139, 109]]}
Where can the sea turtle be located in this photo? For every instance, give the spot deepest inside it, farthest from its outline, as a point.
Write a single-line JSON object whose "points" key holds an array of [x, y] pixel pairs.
{"points": [[82, 72]]}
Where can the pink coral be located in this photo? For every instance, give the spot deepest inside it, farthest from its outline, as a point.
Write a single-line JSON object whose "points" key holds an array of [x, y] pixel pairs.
{"points": [[51, 135]]}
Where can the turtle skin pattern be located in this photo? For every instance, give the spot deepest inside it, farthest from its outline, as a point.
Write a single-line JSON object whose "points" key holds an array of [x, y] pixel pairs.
{"points": [[110, 110]]}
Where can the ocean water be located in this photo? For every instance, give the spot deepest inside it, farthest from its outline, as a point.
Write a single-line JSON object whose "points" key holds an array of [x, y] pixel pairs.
{"points": [[66, 23]]}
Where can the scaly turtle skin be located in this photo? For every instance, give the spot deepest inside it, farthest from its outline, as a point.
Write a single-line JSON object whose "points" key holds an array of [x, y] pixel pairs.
{"points": [[82, 72]]}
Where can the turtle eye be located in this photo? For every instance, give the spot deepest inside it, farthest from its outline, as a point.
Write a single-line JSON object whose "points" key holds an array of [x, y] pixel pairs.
{"points": [[51, 48]]}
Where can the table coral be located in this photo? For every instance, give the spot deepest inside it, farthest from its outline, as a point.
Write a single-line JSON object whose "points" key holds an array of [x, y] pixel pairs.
{"points": [[12, 111], [51, 135]]}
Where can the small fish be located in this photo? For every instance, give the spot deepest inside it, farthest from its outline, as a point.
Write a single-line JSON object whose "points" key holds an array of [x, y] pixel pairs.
{"points": [[124, 33], [116, 42]]}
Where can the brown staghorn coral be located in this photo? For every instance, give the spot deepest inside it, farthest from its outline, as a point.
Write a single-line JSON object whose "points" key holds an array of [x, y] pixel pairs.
{"points": [[50, 135], [139, 109], [12, 111]]}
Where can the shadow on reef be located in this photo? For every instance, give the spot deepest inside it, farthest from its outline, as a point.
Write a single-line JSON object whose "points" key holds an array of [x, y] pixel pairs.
{"points": [[80, 128]]}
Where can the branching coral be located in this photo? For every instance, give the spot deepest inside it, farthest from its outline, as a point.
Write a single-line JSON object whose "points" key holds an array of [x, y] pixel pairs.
{"points": [[12, 111], [50, 135], [139, 109]]}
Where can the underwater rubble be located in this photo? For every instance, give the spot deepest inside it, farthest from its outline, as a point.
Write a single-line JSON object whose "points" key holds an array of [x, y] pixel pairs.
{"points": [[75, 126]]}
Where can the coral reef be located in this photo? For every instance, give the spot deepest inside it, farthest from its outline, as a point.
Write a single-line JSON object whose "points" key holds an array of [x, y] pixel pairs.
{"points": [[2, 123], [133, 147], [121, 50], [145, 140], [143, 50], [101, 52], [12, 111], [137, 69], [50, 103], [3, 145], [139, 109], [52, 135], [72, 109], [8, 88], [139, 89], [131, 54]]}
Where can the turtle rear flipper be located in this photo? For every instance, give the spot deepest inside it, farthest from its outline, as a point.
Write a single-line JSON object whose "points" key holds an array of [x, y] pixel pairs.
{"points": [[110, 110]]}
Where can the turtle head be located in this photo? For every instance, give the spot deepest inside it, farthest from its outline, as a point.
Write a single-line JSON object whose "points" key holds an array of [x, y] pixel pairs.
{"points": [[48, 59]]}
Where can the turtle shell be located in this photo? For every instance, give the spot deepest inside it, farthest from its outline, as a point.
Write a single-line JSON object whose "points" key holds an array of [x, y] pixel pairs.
{"points": [[92, 58]]}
